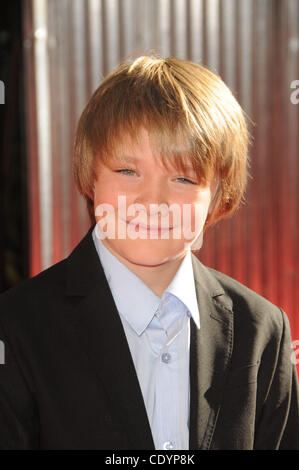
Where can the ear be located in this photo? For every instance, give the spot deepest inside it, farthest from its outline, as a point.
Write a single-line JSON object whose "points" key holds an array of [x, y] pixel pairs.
{"points": [[214, 189], [198, 242], [91, 193]]}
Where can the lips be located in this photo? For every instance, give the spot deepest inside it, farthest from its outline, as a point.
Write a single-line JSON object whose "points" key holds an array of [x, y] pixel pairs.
{"points": [[148, 227]]}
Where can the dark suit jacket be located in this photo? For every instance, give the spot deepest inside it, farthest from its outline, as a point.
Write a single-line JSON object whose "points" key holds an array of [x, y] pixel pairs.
{"points": [[69, 381]]}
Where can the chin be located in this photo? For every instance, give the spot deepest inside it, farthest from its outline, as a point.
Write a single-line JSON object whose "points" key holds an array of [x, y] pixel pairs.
{"points": [[147, 252]]}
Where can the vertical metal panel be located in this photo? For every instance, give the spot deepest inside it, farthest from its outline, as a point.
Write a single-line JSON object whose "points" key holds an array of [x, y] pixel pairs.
{"points": [[196, 30], [80, 67], [127, 27], [228, 42], [180, 29], [253, 45], [212, 34], [164, 24], [43, 109], [288, 154], [94, 8], [261, 113], [245, 20], [110, 20], [30, 125], [61, 75]]}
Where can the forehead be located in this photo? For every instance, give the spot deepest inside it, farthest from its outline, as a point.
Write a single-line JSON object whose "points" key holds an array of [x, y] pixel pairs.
{"points": [[143, 145]]}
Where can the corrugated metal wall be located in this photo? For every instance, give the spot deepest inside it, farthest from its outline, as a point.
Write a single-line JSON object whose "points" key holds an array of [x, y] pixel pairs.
{"points": [[69, 45]]}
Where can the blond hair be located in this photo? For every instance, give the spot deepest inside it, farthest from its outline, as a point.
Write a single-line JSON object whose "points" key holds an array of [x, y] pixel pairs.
{"points": [[190, 115]]}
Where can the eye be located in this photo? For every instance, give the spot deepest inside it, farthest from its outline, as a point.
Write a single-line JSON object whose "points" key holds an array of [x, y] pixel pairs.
{"points": [[125, 171], [186, 181]]}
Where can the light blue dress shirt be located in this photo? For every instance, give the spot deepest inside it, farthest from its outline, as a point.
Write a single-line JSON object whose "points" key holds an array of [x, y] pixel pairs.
{"points": [[158, 334]]}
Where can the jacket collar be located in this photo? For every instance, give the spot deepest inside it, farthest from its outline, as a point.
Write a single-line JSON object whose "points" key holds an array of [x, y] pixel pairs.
{"points": [[103, 337], [210, 353]]}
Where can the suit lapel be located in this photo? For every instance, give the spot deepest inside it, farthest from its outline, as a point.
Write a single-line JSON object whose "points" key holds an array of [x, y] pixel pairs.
{"points": [[210, 352], [101, 333]]}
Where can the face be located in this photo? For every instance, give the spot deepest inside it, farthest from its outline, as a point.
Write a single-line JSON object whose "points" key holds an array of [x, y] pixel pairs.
{"points": [[143, 185]]}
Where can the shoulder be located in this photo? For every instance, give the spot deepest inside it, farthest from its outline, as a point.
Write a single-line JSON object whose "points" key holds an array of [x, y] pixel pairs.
{"points": [[258, 324], [33, 295], [250, 308], [44, 298], [241, 293]]}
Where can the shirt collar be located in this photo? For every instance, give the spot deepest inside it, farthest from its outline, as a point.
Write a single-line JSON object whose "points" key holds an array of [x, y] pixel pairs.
{"points": [[141, 306], [183, 287]]}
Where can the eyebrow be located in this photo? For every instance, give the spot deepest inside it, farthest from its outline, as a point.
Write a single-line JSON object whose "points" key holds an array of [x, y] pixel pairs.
{"points": [[129, 158]]}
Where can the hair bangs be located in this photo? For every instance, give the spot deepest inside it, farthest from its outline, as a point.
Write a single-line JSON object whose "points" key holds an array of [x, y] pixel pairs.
{"points": [[175, 141]]}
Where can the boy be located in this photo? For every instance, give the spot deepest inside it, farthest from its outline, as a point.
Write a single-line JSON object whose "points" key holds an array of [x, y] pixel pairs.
{"points": [[131, 342]]}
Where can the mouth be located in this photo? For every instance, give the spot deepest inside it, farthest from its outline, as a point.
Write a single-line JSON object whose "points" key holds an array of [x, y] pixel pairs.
{"points": [[149, 228]]}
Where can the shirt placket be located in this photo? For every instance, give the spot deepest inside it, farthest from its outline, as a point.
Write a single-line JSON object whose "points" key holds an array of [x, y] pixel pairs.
{"points": [[171, 317]]}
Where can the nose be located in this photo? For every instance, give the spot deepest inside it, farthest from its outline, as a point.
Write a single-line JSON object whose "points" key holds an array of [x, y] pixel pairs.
{"points": [[153, 195]]}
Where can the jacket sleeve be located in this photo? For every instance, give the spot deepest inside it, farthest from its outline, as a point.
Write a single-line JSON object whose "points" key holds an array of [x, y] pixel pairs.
{"points": [[279, 424], [18, 414]]}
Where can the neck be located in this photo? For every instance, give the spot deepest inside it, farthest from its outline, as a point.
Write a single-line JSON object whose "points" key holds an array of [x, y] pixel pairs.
{"points": [[158, 277]]}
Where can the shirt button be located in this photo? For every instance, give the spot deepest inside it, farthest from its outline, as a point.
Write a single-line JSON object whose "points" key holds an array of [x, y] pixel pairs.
{"points": [[168, 445], [166, 357]]}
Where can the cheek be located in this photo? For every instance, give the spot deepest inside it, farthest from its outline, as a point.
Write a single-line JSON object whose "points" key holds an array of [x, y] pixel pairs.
{"points": [[195, 210], [105, 193], [194, 216], [111, 195], [194, 201]]}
